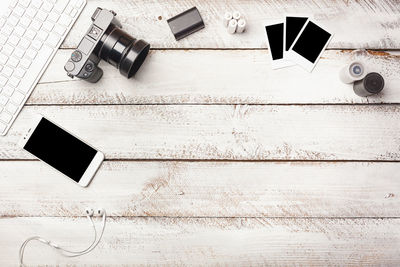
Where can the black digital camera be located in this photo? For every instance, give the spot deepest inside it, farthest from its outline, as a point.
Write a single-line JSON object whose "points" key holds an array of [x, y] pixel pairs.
{"points": [[105, 40]]}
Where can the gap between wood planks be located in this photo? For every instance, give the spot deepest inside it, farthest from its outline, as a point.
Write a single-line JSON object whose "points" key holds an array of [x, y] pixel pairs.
{"points": [[229, 160], [131, 217]]}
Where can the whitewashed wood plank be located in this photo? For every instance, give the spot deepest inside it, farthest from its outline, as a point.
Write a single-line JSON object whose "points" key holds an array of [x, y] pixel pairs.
{"points": [[238, 132], [368, 24], [206, 189], [198, 241], [218, 76]]}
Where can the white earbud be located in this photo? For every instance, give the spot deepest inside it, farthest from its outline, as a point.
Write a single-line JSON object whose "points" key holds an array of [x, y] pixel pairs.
{"points": [[100, 212], [89, 212], [65, 252]]}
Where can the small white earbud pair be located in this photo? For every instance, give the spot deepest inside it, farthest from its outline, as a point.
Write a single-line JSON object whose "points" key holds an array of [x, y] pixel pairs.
{"points": [[90, 213]]}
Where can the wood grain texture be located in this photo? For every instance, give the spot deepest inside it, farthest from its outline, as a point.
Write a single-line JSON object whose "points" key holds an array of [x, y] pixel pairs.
{"points": [[219, 77], [369, 24], [206, 189], [200, 242], [235, 132]]}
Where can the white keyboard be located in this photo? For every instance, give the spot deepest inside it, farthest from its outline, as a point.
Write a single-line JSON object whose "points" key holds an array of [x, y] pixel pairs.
{"points": [[31, 31]]}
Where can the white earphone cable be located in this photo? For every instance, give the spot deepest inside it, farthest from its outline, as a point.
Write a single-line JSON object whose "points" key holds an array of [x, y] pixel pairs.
{"points": [[61, 250]]}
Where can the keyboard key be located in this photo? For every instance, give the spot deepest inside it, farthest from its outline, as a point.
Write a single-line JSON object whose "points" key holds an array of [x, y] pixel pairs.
{"points": [[68, 10], [36, 44], [41, 15], [37, 3], [8, 91], [53, 40], [14, 81], [2, 127], [24, 43], [3, 80], [7, 71], [19, 72], [14, 40], [5, 116], [53, 16], [3, 39], [64, 20], [3, 100], [11, 108], [36, 24], [13, 61], [59, 29], [19, 31], [31, 53], [7, 50], [25, 22], [7, 30], [19, 53], [24, 3], [60, 5], [42, 35], [7, 13], [18, 11], [17, 98], [79, 3], [47, 6], [13, 3], [3, 59], [31, 12], [47, 26], [30, 34], [13, 20], [73, 13], [25, 63]]}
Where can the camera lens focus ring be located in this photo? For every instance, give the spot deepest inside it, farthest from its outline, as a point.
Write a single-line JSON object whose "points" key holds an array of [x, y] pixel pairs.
{"points": [[123, 51]]}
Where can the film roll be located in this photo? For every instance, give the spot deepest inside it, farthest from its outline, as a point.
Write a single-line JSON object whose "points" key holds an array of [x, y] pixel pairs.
{"points": [[227, 17], [232, 26], [241, 26]]}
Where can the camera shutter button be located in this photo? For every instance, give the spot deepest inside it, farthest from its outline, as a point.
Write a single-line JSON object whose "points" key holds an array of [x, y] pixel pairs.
{"points": [[76, 56], [70, 66]]}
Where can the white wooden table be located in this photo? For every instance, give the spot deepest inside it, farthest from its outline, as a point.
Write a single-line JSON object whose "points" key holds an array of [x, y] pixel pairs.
{"points": [[212, 157]]}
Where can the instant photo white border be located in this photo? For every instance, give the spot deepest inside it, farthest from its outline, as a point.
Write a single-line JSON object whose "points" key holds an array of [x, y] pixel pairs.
{"points": [[90, 170], [301, 15], [300, 60], [282, 62]]}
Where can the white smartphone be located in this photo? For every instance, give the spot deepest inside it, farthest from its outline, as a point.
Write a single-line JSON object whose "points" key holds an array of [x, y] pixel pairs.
{"points": [[61, 150]]}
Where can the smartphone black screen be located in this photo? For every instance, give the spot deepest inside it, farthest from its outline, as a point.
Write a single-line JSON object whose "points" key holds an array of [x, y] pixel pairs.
{"points": [[60, 149], [275, 39], [293, 27], [311, 42]]}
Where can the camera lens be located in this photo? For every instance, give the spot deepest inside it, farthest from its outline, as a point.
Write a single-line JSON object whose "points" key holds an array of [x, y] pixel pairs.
{"points": [[123, 51], [374, 82]]}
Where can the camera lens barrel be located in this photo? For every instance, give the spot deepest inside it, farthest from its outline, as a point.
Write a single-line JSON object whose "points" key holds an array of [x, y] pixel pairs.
{"points": [[372, 83], [123, 51]]}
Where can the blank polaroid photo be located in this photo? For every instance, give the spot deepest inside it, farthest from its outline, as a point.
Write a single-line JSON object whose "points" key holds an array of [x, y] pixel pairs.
{"points": [[293, 26], [309, 45], [275, 36]]}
